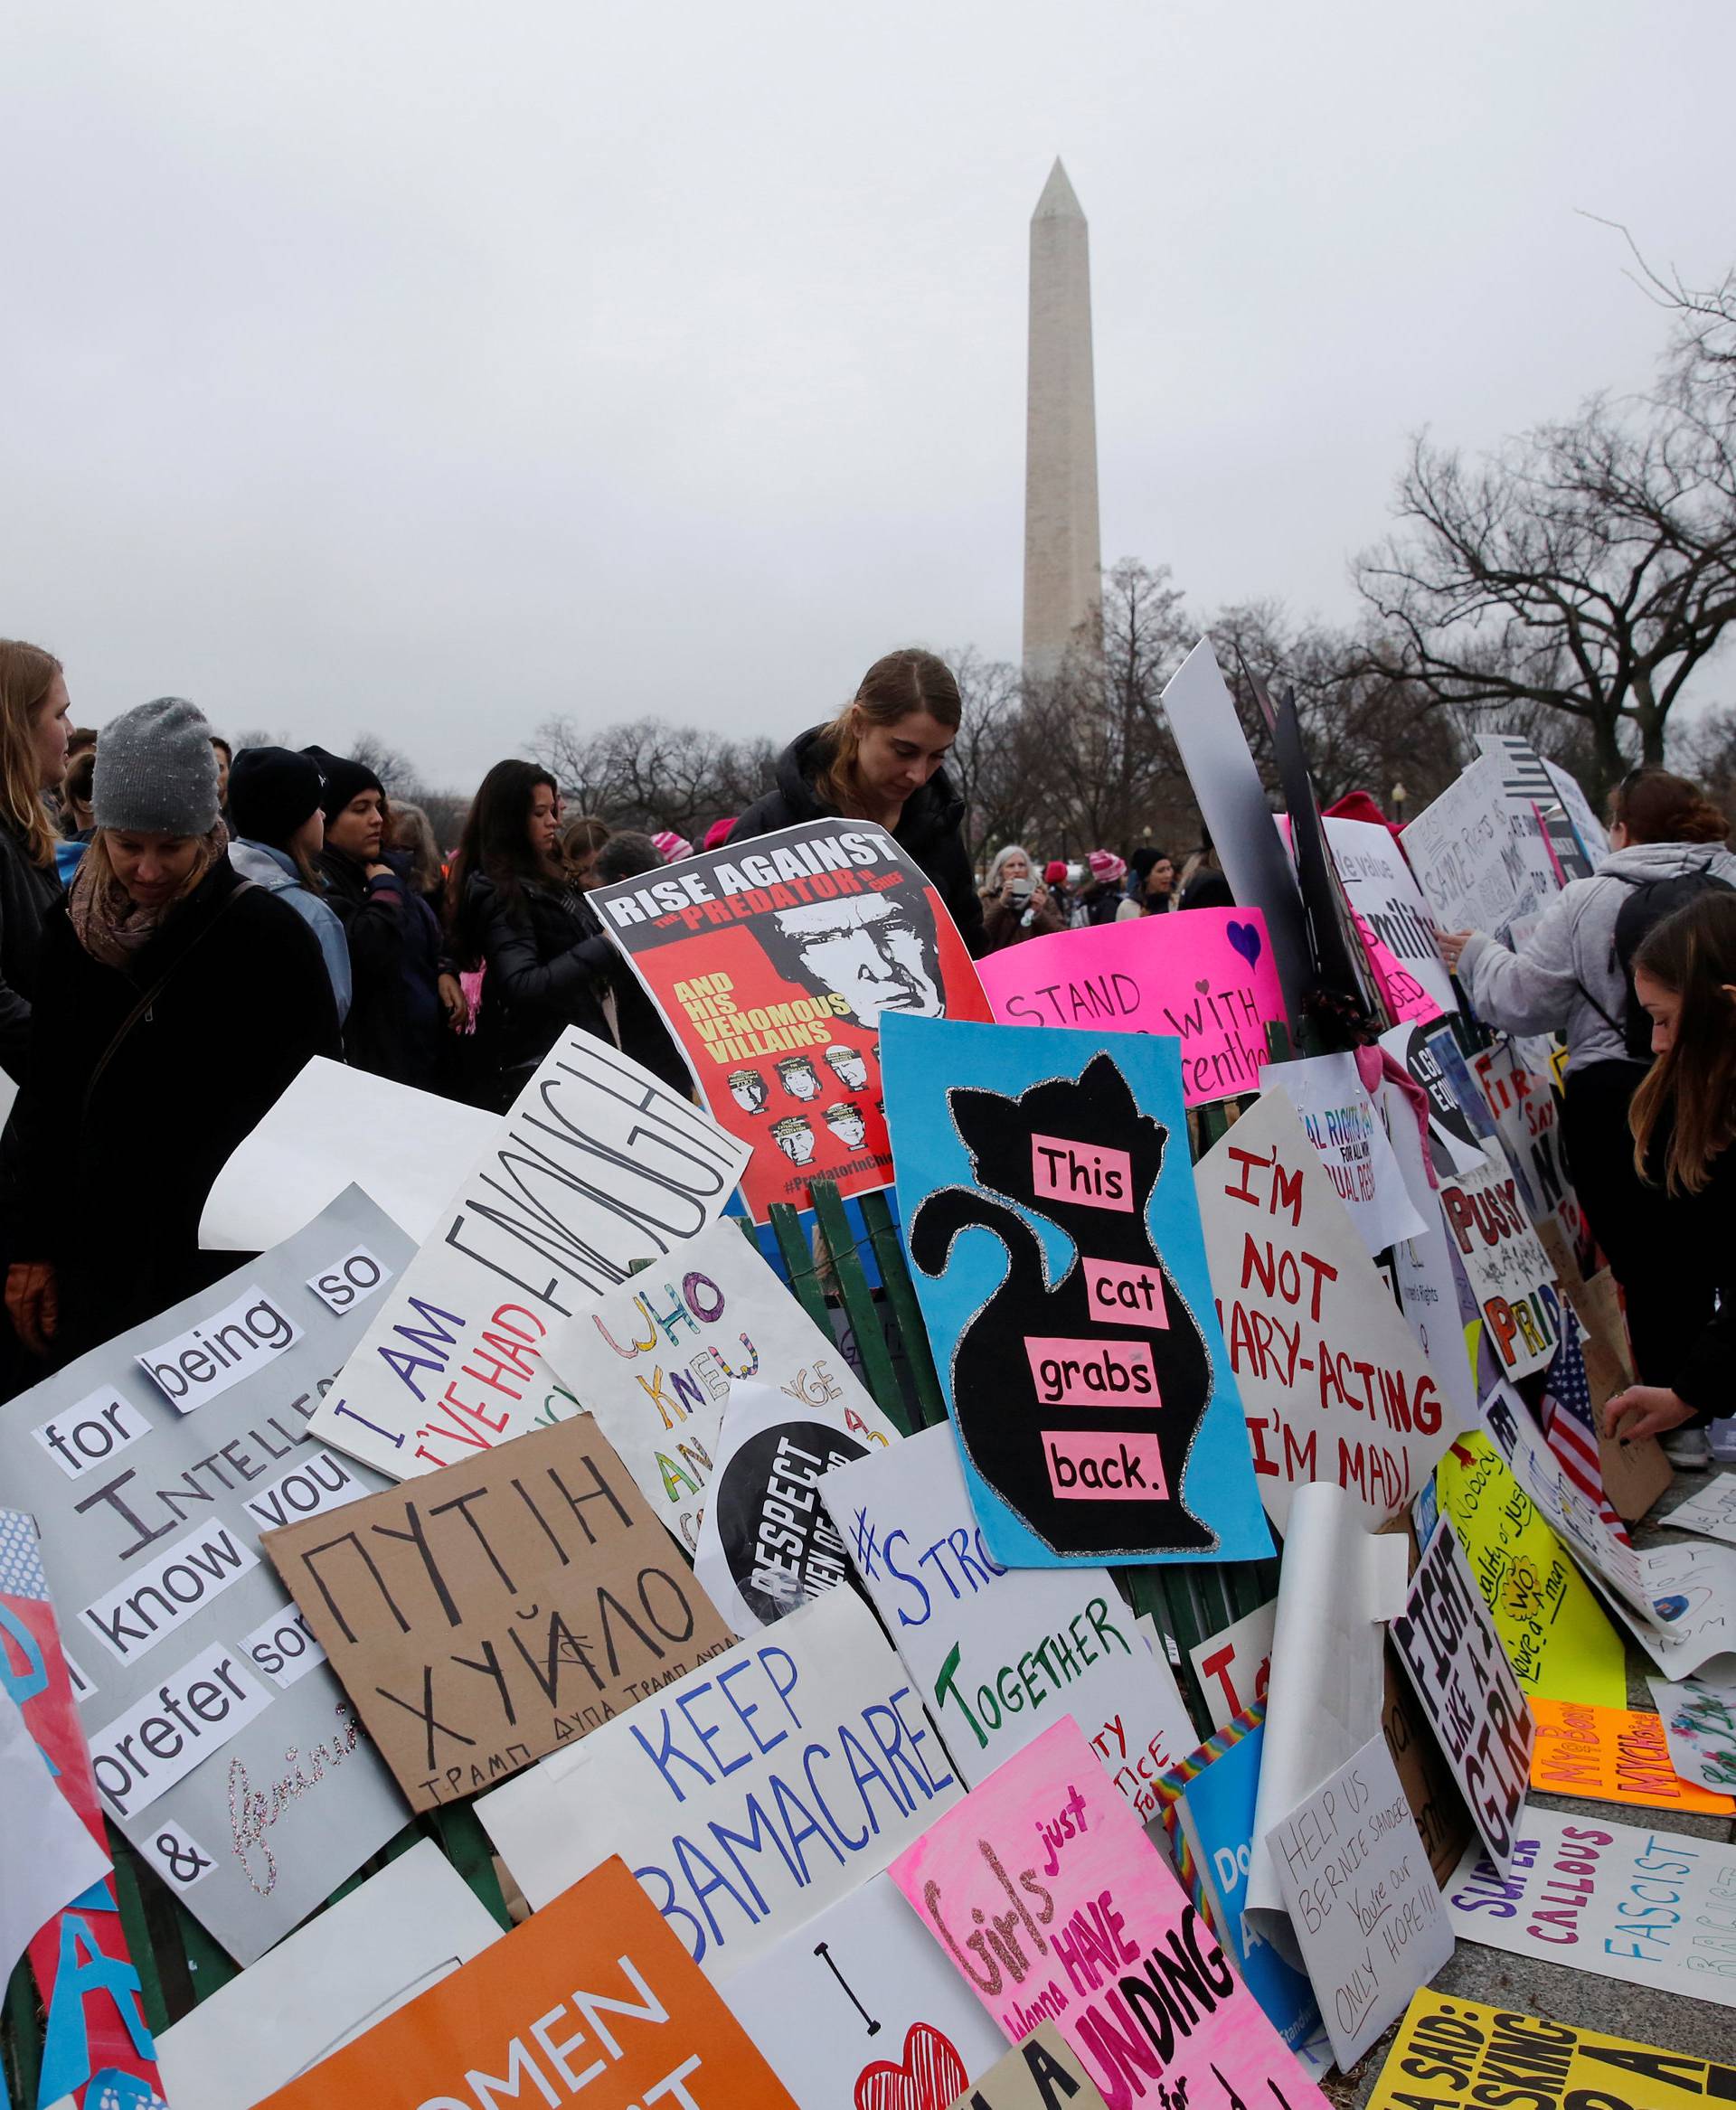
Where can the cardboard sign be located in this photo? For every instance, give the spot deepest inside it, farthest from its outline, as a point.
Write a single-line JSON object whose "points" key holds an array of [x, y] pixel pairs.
{"points": [[1553, 1628], [748, 1795], [1234, 1667], [1457, 2050], [223, 1745], [855, 2009], [390, 1940], [1350, 1140], [1443, 1822], [1454, 1660], [1384, 892], [1043, 1889], [1508, 1270], [1711, 1511], [1332, 1383], [1620, 1900], [654, 1362], [597, 1168], [773, 962], [1469, 859], [1699, 1722], [997, 1653], [1054, 1234], [766, 1543], [1613, 1755], [1038, 2074], [594, 1993], [497, 1610], [1363, 1900], [1206, 979]]}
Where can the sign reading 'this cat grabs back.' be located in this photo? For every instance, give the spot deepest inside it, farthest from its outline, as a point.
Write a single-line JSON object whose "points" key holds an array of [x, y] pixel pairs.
{"points": [[1049, 1207]]}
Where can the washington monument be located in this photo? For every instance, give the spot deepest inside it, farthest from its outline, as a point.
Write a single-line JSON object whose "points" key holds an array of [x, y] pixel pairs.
{"points": [[1062, 555]]}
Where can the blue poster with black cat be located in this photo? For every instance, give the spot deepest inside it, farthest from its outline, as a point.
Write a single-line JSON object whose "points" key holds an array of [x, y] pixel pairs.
{"points": [[1049, 1209]]}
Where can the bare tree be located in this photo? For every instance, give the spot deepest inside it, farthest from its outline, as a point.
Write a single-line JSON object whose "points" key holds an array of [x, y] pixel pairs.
{"points": [[396, 773], [652, 775], [1588, 567], [983, 762]]}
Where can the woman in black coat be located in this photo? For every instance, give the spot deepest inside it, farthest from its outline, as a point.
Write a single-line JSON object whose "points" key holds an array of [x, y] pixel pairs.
{"points": [[175, 1001], [546, 963], [881, 759]]}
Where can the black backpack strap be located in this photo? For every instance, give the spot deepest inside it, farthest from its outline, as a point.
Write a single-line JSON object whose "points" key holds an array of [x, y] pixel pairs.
{"points": [[1614, 1025]]}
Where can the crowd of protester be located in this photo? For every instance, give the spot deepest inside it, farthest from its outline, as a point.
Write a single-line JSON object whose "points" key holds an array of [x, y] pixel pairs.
{"points": [[183, 926]]}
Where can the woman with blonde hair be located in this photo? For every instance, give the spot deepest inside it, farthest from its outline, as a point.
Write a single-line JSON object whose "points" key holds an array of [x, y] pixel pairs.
{"points": [[882, 758], [33, 760]]}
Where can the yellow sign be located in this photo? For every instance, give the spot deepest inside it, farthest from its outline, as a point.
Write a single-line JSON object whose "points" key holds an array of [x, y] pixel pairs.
{"points": [[1612, 1755], [1555, 1633], [1452, 2052]]}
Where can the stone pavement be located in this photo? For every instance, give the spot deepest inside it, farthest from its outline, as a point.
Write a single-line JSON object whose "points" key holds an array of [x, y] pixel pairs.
{"points": [[1580, 1997]]}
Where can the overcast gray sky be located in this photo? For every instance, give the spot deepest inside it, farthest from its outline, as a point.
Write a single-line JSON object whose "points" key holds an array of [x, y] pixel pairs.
{"points": [[432, 368]]}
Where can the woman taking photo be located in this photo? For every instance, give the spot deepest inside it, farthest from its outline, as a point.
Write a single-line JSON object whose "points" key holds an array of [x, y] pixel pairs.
{"points": [[175, 1001], [549, 965], [881, 759], [1569, 976], [1684, 1126], [32, 760], [1016, 904]]}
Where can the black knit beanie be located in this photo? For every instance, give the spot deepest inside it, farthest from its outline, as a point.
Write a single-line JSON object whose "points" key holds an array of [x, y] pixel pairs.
{"points": [[271, 791], [344, 780]]}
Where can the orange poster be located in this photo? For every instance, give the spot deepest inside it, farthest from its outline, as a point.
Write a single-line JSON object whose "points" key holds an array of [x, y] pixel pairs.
{"points": [[1612, 1755], [594, 1993]]}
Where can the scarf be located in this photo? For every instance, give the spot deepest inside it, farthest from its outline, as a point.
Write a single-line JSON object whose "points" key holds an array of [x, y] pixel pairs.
{"points": [[106, 921]]}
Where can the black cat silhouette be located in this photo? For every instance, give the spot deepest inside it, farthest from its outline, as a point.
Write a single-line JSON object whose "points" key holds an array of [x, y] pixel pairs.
{"points": [[1001, 1410]]}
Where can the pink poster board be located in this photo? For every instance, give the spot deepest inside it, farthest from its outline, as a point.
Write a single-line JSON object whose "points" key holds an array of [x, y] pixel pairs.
{"points": [[1044, 1890], [1204, 975]]}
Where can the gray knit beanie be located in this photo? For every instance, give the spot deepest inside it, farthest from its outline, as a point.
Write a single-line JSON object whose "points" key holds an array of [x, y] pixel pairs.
{"points": [[155, 771]]}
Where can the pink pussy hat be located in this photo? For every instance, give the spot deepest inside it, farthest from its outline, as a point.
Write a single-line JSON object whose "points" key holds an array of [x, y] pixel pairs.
{"points": [[671, 848], [1106, 867]]}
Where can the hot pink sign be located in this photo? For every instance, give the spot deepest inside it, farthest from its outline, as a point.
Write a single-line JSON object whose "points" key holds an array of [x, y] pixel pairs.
{"points": [[1044, 1890], [1204, 975]]}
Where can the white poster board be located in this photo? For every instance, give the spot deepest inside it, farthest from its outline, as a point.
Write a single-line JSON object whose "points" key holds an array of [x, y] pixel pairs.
{"points": [[1506, 1267], [1469, 859], [1709, 1510], [1234, 1667], [1699, 1719], [1384, 891], [1350, 1140]]}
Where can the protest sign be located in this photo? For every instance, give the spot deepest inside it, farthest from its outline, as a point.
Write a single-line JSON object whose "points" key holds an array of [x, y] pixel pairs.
{"points": [[1213, 1794], [1508, 1270], [1457, 2050], [597, 1168], [1443, 1822], [773, 962], [1350, 983], [223, 1745], [1332, 1383], [1711, 1511], [748, 1795], [1351, 1142], [1528, 1123], [1363, 1898], [999, 1653], [1207, 979], [766, 1543], [1592, 836], [1448, 1644], [654, 1362], [1542, 826], [1040, 2073], [94, 2035], [47, 1858], [391, 1939], [1614, 1755], [594, 1993], [1202, 714], [1430, 1288], [1551, 1627], [1339, 1585], [856, 2008], [1460, 1123], [1699, 1720], [1090, 1930], [1050, 1213], [1469, 858], [1622, 1901], [335, 1127], [1233, 1667], [497, 1609], [1384, 895]]}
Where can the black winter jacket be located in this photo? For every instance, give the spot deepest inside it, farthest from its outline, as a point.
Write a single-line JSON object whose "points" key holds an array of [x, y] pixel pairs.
{"points": [[548, 965], [1705, 1248], [111, 1192], [930, 828], [27, 893], [395, 1023]]}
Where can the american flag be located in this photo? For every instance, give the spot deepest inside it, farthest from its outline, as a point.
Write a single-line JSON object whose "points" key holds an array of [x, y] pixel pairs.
{"points": [[1568, 1428]]}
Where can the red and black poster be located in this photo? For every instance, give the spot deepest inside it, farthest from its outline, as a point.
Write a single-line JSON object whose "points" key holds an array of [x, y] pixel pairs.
{"points": [[772, 961]]}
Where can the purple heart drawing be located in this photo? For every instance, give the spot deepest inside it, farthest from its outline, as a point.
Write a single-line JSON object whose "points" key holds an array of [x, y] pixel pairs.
{"points": [[1203, 985], [1244, 938]]}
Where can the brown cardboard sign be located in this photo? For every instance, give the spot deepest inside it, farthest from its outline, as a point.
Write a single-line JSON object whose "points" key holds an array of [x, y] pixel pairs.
{"points": [[487, 1613], [1424, 1775], [1040, 2073]]}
